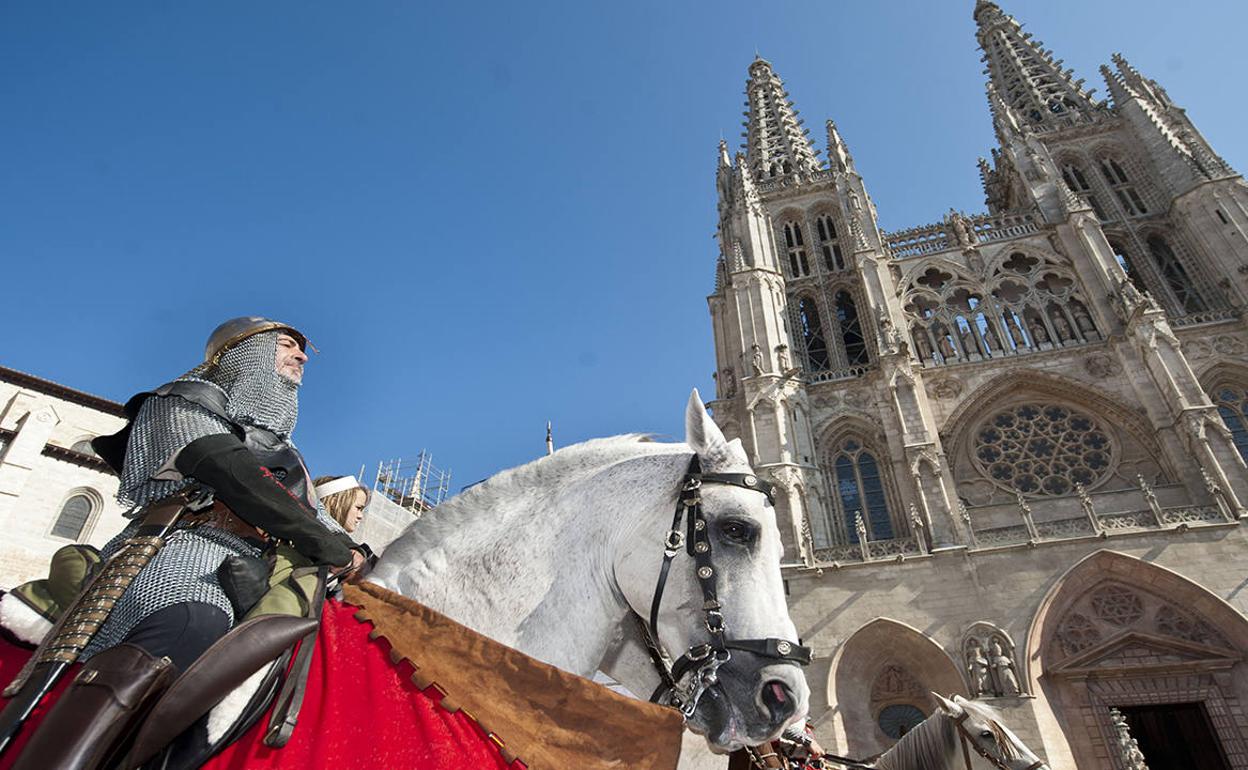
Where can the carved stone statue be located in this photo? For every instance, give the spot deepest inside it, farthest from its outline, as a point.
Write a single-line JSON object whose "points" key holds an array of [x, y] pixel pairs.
{"points": [[1004, 678], [1016, 332], [921, 344], [727, 382], [961, 228], [1084, 321], [1038, 332], [892, 339], [977, 667], [990, 339], [756, 359], [1062, 326], [969, 343], [947, 351]]}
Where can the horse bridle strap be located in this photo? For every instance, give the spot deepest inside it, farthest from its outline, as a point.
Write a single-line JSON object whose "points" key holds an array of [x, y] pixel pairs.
{"points": [[704, 660]]}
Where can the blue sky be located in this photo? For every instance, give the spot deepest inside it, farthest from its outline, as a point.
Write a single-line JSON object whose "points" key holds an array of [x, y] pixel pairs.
{"points": [[485, 215]]}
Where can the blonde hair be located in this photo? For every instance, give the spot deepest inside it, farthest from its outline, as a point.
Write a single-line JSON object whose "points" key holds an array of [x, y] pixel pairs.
{"points": [[338, 505]]}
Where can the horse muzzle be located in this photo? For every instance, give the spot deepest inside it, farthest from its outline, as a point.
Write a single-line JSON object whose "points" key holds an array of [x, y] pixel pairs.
{"points": [[750, 704]]}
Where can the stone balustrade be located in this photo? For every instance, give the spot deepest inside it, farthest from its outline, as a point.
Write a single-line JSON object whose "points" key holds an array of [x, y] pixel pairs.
{"points": [[986, 228]]}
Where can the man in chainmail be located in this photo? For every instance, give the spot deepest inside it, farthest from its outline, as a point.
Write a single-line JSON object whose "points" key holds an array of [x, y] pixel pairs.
{"points": [[224, 425]]}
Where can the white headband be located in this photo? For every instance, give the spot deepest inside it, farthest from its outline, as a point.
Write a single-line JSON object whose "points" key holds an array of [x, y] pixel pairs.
{"points": [[334, 486]]}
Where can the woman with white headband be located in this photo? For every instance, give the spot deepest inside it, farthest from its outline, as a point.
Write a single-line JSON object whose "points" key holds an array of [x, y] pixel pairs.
{"points": [[344, 499]]}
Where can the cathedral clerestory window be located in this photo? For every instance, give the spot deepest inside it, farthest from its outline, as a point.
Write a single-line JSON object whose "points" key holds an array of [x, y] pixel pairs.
{"points": [[1040, 449]]}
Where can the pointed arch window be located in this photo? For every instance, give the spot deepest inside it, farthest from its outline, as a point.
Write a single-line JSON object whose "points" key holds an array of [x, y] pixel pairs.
{"points": [[829, 246], [858, 490], [1128, 197], [795, 245], [1175, 275], [76, 511], [812, 335], [1078, 181], [851, 329], [1232, 403]]}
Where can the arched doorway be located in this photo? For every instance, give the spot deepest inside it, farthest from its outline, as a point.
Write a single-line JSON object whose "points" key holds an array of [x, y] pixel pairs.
{"points": [[880, 682], [1119, 633]]}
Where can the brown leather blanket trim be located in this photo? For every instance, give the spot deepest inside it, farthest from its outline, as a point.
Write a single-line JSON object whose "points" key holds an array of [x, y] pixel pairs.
{"points": [[548, 717]]}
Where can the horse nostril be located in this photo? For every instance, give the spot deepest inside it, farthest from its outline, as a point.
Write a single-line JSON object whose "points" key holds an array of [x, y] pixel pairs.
{"points": [[779, 701]]}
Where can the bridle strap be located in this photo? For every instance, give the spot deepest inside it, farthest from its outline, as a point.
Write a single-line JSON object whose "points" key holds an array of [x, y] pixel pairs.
{"points": [[704, 660]]}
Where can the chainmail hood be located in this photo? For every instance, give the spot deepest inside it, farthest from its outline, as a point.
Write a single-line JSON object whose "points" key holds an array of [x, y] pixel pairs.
{"points": [[256, 394]]}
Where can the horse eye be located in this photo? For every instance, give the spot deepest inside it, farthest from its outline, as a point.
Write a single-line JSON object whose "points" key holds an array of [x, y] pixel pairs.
{"points": [[737, 531], [986, 735]]}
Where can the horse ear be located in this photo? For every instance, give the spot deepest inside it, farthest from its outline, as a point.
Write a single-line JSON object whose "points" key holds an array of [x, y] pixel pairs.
{"points": [[701, 433], [949, 707]]}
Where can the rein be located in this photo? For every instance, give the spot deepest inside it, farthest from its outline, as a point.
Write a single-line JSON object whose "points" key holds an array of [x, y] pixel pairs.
{"points": [[703, 661]]}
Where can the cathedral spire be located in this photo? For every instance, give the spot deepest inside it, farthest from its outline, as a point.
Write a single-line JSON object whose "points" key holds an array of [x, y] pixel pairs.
{"points": [[1027, 77], [776, 143]]}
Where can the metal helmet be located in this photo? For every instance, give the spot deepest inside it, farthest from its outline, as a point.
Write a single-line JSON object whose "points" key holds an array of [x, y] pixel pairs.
{"points": [[238, 329]]}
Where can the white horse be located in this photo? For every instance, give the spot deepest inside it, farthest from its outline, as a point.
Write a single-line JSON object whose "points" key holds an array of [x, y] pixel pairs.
{"points": [[554, 558], [946, 739]]}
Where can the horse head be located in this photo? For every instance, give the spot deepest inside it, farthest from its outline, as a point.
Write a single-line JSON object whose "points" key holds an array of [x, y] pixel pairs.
{"points": [[751, 696], [981, 727]]}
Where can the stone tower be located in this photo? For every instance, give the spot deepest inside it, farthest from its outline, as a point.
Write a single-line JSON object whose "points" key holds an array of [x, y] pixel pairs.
{"points": [[992, 394]]}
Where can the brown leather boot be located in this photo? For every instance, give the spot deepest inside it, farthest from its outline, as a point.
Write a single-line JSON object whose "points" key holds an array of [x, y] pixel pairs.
{"points": [[100, 710]]}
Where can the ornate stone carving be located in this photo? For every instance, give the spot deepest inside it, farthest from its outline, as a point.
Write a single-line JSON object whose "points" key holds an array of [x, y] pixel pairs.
{"points": [[1117, 605], [1228, 346], [1101, 366], [1127, 749], [945, 387], [727, 382], [1040, 449], [1077, 633], [988, 654], [756, 359], [1172, 622], [895, 683]]}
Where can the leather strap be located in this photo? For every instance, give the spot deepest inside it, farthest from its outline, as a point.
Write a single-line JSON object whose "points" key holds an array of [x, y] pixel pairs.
{"points": [[290, 698], [704, 660]]}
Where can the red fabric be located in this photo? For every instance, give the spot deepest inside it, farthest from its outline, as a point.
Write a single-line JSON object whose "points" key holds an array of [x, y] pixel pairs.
{"points": [[12, 658], [361, 711]]}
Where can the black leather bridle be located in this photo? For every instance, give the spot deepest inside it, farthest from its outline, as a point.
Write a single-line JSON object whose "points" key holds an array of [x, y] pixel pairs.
{"points": [[702, 661]]}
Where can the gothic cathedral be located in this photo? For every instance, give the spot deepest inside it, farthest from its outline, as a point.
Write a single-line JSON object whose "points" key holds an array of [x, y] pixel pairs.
{"points": [[1011, 444]]}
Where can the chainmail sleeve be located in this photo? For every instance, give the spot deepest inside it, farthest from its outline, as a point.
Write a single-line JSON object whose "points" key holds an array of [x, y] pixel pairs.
{"points": [[162, 427]]}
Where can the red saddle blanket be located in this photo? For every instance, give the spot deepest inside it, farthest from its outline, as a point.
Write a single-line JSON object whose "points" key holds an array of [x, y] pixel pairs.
{"points": [[369, 706]]}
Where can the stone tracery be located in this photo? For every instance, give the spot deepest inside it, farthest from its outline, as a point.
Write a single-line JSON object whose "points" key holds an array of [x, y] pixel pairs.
{"points": [[1028, 303], [1043, 449]]}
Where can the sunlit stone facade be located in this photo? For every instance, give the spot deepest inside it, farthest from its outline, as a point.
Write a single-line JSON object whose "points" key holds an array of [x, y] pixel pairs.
{"points": [[1009, 444]]}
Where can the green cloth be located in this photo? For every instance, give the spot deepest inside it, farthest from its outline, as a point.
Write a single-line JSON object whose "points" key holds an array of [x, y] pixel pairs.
{"points": [[291, 586], [71, 567]]}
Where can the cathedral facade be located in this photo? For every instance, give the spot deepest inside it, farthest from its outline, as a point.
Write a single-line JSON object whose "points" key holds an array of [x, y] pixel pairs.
{"points": [[1009, 446]]}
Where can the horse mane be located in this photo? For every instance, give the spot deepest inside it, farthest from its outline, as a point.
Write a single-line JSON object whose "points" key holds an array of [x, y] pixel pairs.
{"points": [[927, 746], [529, 487], [933, 742]]}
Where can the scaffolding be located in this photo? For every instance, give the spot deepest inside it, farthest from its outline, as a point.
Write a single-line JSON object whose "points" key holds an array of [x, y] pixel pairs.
{"points": [[416, 485]]}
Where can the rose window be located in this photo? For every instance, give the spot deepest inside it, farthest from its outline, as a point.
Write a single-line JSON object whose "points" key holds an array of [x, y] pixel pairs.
{"points": [[1043, 449]]}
